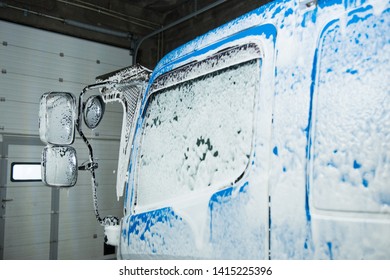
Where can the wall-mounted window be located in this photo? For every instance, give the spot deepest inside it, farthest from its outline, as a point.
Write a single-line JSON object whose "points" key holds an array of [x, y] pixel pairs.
{"points": [[26, 171]]}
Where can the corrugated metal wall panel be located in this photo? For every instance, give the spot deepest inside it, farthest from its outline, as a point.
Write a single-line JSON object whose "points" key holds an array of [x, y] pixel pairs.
{"points": [[84, 181], [23, 235], [28, 89], [33, 62], [29, 62], [103, 149], [54, 43], [22, 118], [30, 67], [27, 207], [78, 224], [36, 200], [20, 152], [38, 251], [80, 196], [69, 248]]}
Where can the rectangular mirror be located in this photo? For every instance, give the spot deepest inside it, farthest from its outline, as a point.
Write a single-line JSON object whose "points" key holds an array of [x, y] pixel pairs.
{"points": [[59, 166], [57, 116]]}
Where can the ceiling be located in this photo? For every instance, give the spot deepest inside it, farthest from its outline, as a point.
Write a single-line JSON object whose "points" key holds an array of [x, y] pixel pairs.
{"points": [[126, 23], [133, 17]]}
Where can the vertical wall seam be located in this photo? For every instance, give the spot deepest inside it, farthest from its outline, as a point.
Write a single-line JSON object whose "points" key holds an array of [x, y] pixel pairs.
{"points": [[54, 223], [3, 194]]}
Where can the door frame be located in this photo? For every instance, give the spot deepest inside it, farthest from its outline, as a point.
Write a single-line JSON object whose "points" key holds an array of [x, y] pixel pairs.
{"points": [[8, 140]]}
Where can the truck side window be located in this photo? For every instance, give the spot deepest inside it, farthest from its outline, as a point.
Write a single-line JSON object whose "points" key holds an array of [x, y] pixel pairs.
{"points": [[197, 134], [351, 139]]}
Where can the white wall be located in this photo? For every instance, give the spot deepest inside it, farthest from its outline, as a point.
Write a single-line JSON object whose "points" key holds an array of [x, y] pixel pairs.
{"points": [[33, 62]]}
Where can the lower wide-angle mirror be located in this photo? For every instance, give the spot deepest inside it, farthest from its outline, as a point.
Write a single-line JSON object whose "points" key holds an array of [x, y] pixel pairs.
{"points": [[59, 166]]}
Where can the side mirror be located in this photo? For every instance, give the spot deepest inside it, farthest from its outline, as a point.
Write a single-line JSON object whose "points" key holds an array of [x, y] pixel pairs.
{"points": [[57, 120], [59, 166], [57, 116], [93, 111]]}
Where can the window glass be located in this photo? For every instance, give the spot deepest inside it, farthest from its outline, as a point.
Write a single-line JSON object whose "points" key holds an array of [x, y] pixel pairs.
{"points": [[25, 172], [198, 134], [351, 170]]}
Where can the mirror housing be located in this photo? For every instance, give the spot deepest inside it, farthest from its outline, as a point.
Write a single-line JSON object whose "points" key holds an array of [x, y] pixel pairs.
{"points": [[93, 111], [57, 117], [59, 166]]}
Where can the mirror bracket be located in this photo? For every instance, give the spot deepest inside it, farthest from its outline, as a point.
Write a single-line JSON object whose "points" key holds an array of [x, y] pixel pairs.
{"points": [[88, 166]]}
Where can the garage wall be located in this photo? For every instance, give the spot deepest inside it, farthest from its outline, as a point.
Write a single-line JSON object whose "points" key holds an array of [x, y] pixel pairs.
{"points": [[78, 227], [33, 62]]}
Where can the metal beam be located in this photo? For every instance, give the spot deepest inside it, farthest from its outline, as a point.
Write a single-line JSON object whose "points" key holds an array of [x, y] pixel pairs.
{"points": [[173, 24]]}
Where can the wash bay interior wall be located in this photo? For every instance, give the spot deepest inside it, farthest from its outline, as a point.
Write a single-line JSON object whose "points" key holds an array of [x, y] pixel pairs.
{"points": [[36, 221]]}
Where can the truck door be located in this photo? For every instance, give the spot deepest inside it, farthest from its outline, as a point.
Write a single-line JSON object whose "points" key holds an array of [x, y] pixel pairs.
{"points": [[192, 191], [350, 162]]}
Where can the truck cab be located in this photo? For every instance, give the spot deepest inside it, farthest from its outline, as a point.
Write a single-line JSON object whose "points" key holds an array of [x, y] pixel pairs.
{"points": [[267, 138]]}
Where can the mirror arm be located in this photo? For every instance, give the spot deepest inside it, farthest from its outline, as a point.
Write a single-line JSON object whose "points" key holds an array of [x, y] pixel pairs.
{"points": [[92, 165], [88, 166]]}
